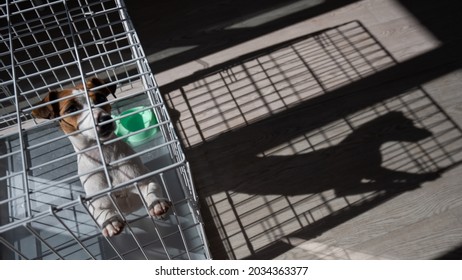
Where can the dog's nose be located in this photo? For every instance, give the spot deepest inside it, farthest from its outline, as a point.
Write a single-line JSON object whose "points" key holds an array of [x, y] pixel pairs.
{"points": [[104, 118], [105, 130]]}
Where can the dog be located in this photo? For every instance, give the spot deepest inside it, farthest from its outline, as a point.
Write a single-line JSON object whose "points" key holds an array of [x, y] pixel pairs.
{"points": [[77, 119]]}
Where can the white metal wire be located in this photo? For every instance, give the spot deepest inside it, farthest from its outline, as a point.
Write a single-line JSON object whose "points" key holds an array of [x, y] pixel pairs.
{"points": [[54, 44]]}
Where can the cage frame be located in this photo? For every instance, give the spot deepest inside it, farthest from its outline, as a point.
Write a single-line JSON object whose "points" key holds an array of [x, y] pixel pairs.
{"points": [[125, 66]]}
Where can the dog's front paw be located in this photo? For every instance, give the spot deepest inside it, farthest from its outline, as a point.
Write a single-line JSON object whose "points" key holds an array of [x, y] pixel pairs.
{"points": [[159, 208], [113, 226]]}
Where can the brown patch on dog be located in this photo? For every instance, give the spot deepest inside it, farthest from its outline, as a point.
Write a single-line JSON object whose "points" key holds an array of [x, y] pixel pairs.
{"points": [[98, 98], [70, 123], [67, 106]]}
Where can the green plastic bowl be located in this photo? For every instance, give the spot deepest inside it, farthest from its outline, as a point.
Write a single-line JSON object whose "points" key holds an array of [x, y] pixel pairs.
{"points": [[136, 122]]}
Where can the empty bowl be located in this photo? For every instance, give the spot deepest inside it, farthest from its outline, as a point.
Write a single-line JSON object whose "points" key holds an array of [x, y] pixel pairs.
{"points": [[136, 122]]}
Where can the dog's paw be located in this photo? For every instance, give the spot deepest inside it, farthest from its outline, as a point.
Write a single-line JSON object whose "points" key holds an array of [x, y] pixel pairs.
{"points": [[113, 226], [159, 208]]}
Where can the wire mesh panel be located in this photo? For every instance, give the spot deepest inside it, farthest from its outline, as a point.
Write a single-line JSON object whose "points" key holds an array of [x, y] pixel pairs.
{"points": [[44, 212]]}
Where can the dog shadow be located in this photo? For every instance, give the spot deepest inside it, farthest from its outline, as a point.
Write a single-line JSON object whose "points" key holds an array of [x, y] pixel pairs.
{"points": [[353, 166]]}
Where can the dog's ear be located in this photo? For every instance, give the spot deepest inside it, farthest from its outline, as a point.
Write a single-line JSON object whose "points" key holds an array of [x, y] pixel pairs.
{"points": [[49, 111], [96, 82], [112, 89]]}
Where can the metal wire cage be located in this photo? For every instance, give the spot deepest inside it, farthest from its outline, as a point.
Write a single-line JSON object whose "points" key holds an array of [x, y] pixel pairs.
{"points": [[48, 45]]}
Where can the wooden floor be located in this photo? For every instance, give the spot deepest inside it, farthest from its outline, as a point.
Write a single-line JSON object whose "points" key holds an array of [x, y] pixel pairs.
{"points": [[316, 129]]}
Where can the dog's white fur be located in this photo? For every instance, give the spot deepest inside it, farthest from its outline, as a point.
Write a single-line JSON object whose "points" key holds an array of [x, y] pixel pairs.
{"points": [[81, 132]]}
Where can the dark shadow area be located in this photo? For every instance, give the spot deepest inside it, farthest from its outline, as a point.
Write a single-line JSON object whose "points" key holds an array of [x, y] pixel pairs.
{"points": [[455, 254], [178, 31], [439, 18], [328, 111], [182, 31], [353, 166]]}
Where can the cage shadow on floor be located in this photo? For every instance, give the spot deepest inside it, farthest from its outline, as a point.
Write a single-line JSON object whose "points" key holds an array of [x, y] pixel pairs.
{"points": [[281, 144]]}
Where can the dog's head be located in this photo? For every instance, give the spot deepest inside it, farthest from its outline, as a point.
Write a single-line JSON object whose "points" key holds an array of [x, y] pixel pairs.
{"points": [[75, 114], [393, 126]]}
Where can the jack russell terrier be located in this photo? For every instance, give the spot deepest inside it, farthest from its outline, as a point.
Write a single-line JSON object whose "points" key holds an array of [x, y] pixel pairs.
{"points": [[76, 120]]}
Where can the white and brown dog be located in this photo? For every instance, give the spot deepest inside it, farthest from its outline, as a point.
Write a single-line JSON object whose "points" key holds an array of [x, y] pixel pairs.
{"points": [[77, 120]]}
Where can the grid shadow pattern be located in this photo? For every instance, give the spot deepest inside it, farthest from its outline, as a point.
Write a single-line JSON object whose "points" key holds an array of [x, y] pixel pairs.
{"points": [[269, 167]]}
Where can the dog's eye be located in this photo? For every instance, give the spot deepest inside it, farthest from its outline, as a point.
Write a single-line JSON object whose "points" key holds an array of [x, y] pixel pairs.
{"points": [[99, 98], [72, 109]]}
